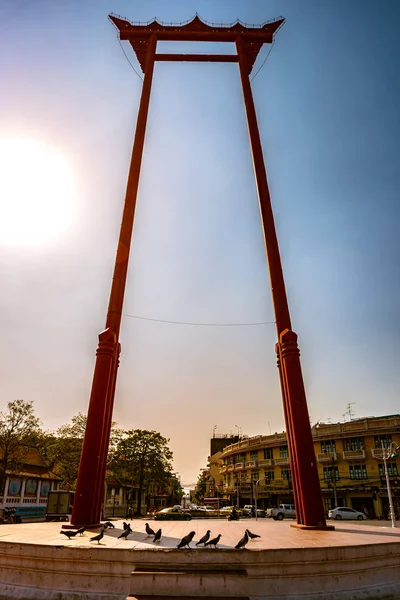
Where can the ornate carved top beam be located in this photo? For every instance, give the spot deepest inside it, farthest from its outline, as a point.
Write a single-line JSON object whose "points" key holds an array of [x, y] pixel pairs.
{"points": [[194, 31]]}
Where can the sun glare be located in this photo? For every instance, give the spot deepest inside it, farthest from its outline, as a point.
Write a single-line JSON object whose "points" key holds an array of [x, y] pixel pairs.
{"points": [[37, 192]]}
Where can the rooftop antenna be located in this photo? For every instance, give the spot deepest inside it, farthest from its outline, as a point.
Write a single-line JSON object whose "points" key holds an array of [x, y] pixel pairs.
{"points": [[349, 411]]}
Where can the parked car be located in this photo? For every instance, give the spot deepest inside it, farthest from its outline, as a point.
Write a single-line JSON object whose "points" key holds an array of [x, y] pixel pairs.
{"points": [[282, 512], [342, 512], [249, 511], [203, 511], [172, 514]]}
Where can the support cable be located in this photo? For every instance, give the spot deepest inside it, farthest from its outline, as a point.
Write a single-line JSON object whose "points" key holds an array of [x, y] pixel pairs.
{"points": [[265, 60], [127, 58]]}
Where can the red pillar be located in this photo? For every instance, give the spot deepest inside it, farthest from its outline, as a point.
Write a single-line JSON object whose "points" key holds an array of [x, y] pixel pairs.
{"points": [[303, 447], [107, 430], [298, 500], [87, 504], [84, 508], [308, 491]]}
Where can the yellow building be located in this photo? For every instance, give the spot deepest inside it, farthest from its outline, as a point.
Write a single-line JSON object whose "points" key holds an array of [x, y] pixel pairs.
{"points": [[349, 459]]}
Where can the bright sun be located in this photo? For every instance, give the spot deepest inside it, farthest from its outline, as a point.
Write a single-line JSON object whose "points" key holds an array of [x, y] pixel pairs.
{"points": [[37, 192]]}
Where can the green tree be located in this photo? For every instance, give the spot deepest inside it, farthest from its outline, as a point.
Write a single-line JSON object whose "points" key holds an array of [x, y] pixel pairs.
{"points": [[20, 431], [142, 458], [200, 489], [63, 449]]}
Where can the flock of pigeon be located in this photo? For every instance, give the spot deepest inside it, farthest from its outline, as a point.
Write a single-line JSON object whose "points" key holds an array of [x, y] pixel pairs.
{"points": [[184, 543]]}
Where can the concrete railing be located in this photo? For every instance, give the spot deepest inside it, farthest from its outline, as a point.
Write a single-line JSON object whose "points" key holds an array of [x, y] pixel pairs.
{"points": [[282, 460], [266, 462], [326, 456], [353, 454]]}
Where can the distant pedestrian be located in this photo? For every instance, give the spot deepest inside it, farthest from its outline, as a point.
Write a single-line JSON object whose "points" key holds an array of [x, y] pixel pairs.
{"points": [[129, 513], [366, 512]]}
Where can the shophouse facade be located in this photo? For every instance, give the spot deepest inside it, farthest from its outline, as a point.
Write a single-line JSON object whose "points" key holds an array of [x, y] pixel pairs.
{"points": [[27, 489], [349, 460]]}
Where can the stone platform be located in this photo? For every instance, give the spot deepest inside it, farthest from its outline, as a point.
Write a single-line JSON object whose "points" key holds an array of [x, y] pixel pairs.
{"points": [[356, 561]]}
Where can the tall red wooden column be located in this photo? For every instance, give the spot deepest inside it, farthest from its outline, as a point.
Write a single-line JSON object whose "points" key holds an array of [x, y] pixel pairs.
{"points": [[307, 491], [92, 468], [249, 41]]}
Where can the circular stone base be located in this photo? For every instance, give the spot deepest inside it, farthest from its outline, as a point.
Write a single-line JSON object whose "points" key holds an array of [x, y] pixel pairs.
{"points": [[351, 563]]}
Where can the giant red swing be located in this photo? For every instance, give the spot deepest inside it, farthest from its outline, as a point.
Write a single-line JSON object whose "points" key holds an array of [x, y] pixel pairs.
{"points": [[92, 468]]}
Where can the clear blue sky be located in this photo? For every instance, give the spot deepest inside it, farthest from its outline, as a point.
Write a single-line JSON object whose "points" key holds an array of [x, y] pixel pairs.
{"points": [[328, 103]]}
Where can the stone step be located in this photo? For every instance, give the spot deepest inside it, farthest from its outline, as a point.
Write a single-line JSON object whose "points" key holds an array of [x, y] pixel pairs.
{"points": [[190, 582]]}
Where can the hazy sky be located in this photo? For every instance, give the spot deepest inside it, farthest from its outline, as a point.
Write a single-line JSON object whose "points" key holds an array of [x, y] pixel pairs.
{"points": [[328, 103]]}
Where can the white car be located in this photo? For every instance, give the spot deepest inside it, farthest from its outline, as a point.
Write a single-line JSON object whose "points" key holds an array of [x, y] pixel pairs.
{"points": [[342, 512], [284, 510]]}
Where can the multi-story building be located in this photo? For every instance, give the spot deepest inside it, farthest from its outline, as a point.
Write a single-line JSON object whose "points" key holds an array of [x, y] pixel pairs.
{"points": [[349, 459]]}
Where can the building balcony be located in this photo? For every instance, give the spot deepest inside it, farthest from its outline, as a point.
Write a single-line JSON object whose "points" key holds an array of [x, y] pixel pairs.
{"points": [[282, 461], [326, 456], [266, 462], [354, 454], [230, 468], [276, 484], [377, 453], [239, 466], [252, 464]]}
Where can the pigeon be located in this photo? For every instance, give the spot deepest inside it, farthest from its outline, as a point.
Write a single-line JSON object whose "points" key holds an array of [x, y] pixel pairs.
{"points": [[81, 530], [125, 525], [149, 530], [125, 533], [97, 538], [109, 524], [205, 538], [242, 543], [185, 541], [69, 533], [252, 536], [214, 541], [157, 536]]}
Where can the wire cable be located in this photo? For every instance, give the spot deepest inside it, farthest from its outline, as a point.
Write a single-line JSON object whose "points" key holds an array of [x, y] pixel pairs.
{"points": [[200, 324], [127, 58], [265, 60]]}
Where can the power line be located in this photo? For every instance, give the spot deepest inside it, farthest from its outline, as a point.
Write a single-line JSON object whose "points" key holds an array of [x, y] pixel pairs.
{"points": [[127, 58], [200, 324]]}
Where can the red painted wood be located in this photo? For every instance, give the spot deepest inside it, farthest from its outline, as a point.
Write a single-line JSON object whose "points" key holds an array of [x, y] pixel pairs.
{"points": [[197, 57], [90, 482]]}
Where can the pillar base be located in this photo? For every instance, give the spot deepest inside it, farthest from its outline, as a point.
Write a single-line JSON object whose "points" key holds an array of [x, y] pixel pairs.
{"points": [[72, 526], [313, 527]]}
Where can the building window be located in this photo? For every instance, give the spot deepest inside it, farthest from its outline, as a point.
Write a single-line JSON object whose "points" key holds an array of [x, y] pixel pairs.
{"points": [[286, 475], [242, 457], [14, 487], [331, 474], [31, 486], [392, 469], [283, 452], [254, 455], [358, 472], [355, 443], [268, 453], [328, 446], [55, 486], [255, 476], [385, 439], [269, 476]]}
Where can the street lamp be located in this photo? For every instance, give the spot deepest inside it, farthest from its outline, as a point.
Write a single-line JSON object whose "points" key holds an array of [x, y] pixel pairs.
{"points": [[255, 494], [389, 452]]}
